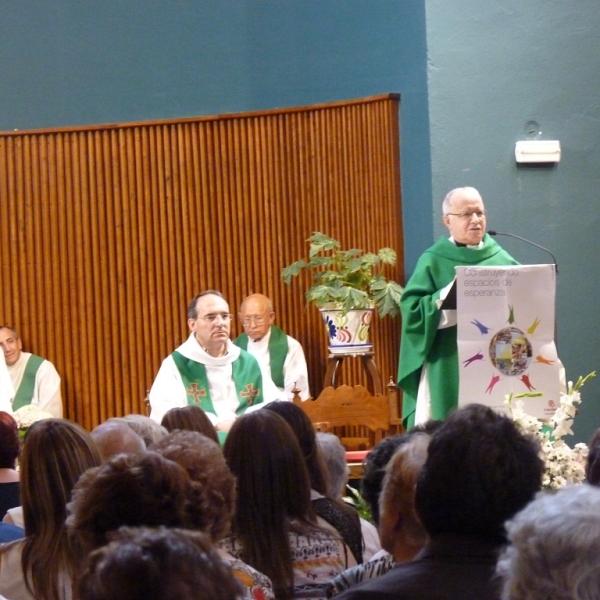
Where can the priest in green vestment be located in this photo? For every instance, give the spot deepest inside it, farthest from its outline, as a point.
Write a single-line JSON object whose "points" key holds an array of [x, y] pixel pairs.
{"points": [[208, 370], [280, 356], [428, 368]]}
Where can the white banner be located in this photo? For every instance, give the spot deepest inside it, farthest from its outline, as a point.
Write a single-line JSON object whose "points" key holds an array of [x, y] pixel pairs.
{"points": [[506, 324]]}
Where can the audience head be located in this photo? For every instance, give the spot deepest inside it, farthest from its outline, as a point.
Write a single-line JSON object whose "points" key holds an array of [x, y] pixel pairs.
{"points": [[10, 444], [401, 533], [115, 437], [480, 471], [189, 418], [257, 315], [11, 344], [554, 547], [592, 467], [213, 500], [157, 564], [128, 490], [55, 454], [334, 455], [304, 431], [374, 471], [149, 430], [273, 490]]}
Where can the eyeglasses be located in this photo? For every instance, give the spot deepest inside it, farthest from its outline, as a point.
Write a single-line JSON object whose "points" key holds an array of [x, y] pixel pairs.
{"points": [[480, 214], [257, 321], [212, 317]]}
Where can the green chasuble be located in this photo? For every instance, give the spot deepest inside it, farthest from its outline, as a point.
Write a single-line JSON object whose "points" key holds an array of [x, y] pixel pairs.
{"points": [[24, 395], [278, 349], [422, 342], [247, 378]]}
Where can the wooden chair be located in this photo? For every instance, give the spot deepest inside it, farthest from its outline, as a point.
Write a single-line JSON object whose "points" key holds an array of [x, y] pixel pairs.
{"points": [[358, 418]]}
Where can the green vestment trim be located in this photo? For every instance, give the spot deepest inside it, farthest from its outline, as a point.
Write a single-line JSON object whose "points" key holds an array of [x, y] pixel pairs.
{"points": [[421, 339], [278, 349], [247, 379], [24, 395]]}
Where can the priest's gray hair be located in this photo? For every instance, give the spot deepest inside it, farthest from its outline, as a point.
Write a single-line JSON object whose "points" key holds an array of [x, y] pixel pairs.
{"points": [[555, 547], [446, 204]]}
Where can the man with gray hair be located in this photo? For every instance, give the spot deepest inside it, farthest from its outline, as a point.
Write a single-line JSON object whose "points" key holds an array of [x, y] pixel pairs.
{"points": [[554, 547], [428, 368], [34, 379]]}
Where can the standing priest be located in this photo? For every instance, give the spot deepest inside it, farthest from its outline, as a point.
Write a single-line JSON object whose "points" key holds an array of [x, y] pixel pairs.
{"points": [[428, 369]]}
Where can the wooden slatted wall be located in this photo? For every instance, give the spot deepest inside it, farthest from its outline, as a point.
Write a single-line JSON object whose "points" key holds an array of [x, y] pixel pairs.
{"points": [[107, 232]]}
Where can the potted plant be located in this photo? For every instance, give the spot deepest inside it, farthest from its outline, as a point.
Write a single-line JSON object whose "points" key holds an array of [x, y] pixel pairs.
{"points": [[347, 286]]}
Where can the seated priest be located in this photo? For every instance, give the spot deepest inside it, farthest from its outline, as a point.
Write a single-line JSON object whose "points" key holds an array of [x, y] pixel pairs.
{"points": [[209, 371], [280, 356]]}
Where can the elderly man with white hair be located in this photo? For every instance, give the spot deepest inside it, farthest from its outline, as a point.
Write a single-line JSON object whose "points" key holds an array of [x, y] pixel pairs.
{"points": [[554, 550], [428, 369]]}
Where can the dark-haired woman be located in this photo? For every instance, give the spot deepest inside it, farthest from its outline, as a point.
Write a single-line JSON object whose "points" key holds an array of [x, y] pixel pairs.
{"points": [[274, 528]]}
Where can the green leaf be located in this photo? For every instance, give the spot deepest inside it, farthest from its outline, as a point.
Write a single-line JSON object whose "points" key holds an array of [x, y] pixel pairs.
{"points": [[369, 260], [292, 270], [386, 295], [387, 256], [320, 242]]}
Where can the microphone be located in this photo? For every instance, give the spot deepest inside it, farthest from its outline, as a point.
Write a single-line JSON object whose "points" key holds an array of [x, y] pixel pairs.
{"points": [[518, 237]]}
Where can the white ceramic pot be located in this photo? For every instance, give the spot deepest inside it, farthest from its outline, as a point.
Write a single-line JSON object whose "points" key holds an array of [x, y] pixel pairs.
{"points": [[348, 333]]}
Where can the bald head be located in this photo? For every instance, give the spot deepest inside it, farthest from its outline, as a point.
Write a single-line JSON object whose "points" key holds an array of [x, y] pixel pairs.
{"points": [[257, 315], [115, 437]]}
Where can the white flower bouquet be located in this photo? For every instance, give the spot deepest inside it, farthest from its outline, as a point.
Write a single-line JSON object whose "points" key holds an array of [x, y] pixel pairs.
{"points": [[564, 465], [27, 415]]}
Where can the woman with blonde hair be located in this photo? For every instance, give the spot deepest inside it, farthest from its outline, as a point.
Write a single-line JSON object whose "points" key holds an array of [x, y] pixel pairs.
{"points": [[56, 452]]}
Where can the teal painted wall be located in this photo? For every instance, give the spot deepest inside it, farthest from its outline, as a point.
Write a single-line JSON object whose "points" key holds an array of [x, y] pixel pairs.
{"points": [[73, 62], [492, 67]]}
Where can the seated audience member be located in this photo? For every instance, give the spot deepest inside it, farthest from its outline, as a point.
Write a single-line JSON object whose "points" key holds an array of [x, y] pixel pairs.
{"points": [[150, 490], [9, 452], [402, 535], [56, 452], [592, 467], [374, 471], [554, 551], [480, 471], [148, 429], [131, 490], [334, 455], [115, 437], [34, 379], [280, 356], [213, 502], [274, 528], [342, 518], [189, 418], [157, 564], [376, 461]]}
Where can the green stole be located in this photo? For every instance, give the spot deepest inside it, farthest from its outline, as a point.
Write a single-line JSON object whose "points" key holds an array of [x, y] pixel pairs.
{"points": [[247, 379], [278, 349], [24, 394]]}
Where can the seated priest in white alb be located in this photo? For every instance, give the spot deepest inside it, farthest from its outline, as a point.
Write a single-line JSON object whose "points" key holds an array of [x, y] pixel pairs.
{"points": [[209, 371], [280, 356], [34, 379]]}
